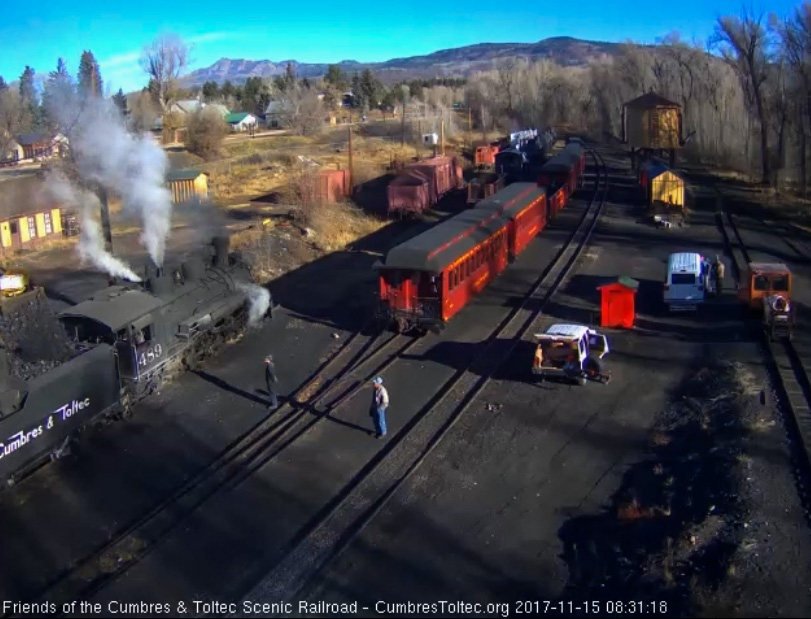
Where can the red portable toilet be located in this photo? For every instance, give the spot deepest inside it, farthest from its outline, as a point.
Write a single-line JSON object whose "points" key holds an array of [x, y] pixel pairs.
{"points": [[617, 303]]}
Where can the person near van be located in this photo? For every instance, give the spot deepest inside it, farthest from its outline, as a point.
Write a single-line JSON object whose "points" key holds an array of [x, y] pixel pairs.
{"points": [[719, 275], [706, 275], [380, 402]]}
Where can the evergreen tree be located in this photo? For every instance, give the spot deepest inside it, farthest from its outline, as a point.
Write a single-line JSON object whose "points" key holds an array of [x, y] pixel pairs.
{"points": [[228, 89], [337, 78], [210, 91], [357, 93], [90, 84], [120, 100], [305, 83], [28, 92], [370, 87], [56, 96], [3, 84], [288, 82]]}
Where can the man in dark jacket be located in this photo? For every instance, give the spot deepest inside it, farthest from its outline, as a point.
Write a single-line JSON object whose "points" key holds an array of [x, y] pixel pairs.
{"points": [[271, 381]]}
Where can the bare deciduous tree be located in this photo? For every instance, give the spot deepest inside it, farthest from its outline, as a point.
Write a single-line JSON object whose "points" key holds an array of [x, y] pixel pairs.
{"points": [[15, 118], [205, 130], [143, 112], [743, 41], [302, 111], [164, 60]]}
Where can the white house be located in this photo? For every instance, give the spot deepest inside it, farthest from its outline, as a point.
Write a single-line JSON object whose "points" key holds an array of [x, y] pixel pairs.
{"points": [[14, 152], [240, 121]]}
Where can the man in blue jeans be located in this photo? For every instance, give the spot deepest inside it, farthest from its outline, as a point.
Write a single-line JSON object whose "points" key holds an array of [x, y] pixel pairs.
{"points": [[380, 401]]}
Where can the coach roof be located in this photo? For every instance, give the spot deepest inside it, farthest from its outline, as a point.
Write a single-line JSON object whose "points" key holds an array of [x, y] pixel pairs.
{"points": [[435, 249], [564, 160], [513, 199]]}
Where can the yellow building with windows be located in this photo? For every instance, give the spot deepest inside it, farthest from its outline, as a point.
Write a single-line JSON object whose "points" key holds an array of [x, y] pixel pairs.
{"points": [[188, 185], [27, 214]]}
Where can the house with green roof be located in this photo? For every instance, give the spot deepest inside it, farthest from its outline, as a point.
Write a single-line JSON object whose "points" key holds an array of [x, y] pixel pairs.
{"points": [[240, 121]]}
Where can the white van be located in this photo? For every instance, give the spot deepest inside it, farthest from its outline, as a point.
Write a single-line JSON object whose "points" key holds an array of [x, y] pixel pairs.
{"points": [[684, 282]]}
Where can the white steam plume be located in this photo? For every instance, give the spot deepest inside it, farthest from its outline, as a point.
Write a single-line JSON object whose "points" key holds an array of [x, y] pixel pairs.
{"points": [[259, 299], [132, 167], [91, 242]]}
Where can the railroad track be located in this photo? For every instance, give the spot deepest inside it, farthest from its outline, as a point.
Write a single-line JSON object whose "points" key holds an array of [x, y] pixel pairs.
{"points": [[372, 488], [255, 448], [789, 369], [265, 441]]}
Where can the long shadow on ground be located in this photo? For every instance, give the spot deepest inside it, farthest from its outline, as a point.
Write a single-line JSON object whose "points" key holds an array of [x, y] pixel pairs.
{"points": [[673, 525]]}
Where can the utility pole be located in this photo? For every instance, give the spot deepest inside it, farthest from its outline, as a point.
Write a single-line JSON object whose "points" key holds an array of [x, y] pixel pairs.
{"points": [[442, 136], [105, 218], [402, 138], [351, 167]]}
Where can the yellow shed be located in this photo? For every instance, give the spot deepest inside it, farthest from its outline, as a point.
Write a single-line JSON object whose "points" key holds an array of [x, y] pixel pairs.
{"points": [[664, 186], [652, 122], [187, 185], [27, 213]]}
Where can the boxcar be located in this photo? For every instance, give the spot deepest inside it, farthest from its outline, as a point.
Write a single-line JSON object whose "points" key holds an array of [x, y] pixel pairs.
{"points": [[525, 206], [428, 279]]}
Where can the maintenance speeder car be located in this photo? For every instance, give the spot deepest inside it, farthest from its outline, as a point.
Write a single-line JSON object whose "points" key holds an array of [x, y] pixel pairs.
{"points": [[573, 352]]}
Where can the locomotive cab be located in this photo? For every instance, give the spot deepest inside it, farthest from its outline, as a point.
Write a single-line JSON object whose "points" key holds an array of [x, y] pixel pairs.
{"points": [[762, 280]]}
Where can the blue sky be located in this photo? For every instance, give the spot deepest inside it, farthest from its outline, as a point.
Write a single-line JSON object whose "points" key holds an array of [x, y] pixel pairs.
{"points": [[37, 34]]}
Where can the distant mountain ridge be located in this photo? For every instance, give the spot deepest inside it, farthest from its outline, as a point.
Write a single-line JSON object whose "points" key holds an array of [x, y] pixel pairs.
{"points": [[455, 62]]}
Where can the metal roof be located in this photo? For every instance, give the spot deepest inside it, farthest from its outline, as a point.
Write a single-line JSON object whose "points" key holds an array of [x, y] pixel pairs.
{"points": [[23, 196], [513, 199], [183, 175], [189, 106], [567, 330], [29, 139], [623, 280], [236, 117], [114, 307], [564, 160], [435, 249], [651, 99], [769, 267]]}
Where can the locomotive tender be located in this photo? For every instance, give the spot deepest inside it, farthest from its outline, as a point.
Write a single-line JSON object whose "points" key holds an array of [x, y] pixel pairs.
{"points": [[126, 339], [428, 279]]}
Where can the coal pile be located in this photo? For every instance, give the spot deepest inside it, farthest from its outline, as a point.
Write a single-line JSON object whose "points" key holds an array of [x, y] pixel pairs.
{"points": [[34, 339]]}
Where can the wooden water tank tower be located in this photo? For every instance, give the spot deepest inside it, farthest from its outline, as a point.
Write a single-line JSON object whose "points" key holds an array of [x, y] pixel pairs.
{"points": [[651, 124]]}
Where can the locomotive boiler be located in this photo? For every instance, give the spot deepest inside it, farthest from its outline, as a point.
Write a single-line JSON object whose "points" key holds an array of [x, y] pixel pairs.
{"points": [[123, 342]]}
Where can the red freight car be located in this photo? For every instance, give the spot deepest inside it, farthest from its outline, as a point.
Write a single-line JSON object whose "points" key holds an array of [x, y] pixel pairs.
{"points": [[332, 185], [485, 156], [525, 206], [421, 185], [483, 187]]}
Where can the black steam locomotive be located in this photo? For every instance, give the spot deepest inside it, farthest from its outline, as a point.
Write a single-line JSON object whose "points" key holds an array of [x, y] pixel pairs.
{"points": [[124, 340]]}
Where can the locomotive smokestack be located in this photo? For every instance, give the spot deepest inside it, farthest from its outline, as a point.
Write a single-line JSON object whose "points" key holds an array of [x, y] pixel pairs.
{"points": [[154, 277], [221, 246]]}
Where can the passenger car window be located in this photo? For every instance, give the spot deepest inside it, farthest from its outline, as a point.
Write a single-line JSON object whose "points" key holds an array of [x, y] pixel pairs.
{"points": [[761, 283], [780, 283]]}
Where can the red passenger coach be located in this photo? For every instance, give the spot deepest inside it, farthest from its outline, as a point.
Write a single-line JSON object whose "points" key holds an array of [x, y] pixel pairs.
{"points": [[525, 206], [428, 279], [564, 169]]}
